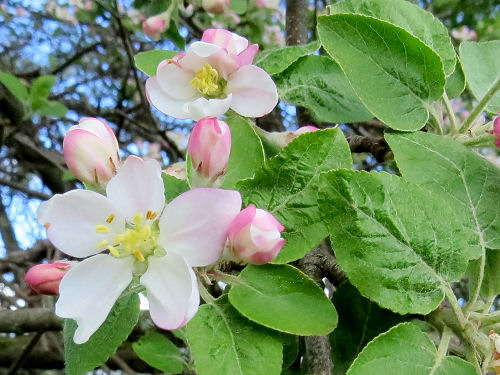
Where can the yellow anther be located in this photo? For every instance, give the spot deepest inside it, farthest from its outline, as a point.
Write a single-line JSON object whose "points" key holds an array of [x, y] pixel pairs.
{"points": [[139, 255], [150, 215], [206, 80], [101, 244], [110, 218], [114, 251], [46, 225], [101, 229]]}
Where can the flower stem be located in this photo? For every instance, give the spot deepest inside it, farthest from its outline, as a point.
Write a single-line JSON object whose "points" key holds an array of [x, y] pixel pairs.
{"points": [[480, 106], [444, 343]]}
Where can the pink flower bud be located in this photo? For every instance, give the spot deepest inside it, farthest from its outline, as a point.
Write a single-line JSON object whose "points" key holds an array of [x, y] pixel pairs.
{"points": [[215, 6], [254, 236], [209, 146], [302, 130], [45, 278], [91, 151], [154, 26]]}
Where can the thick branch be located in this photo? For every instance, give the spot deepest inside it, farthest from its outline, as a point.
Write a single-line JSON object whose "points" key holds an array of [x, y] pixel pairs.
{"points": [[377, 146], [29, 320], [6, 230]]}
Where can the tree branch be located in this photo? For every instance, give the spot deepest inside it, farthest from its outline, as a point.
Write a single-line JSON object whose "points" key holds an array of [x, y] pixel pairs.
{"points": [[23, 189], [6, 230]]}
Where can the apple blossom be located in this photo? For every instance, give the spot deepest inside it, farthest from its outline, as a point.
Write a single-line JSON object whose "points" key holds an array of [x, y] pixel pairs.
{"points": [[496, 130], [254, 236], [495, 363], [91, 151], [215, 6], [154, 26], [156, 243], [209, 147], [212, 76], [45, 278]]}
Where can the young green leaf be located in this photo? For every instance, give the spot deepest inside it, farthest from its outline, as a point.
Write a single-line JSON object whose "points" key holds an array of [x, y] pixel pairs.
{"points": [[283, 298], [395, 75], [148, 61], [405, 349], [173, 186], [318, 83], [455, 83], [157, 351], [238, 6], [360, 320], [410, 17], [289, 189], [15, 86], [40, 89], [83, 358], [399, 244], [481, 68], [274, 61], [224, 342], [52, 108], [247, 153]]}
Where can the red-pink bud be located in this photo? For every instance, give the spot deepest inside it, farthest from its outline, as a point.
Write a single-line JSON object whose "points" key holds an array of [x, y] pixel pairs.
{"points": [[91, 151], [254, 236], [496, 130], [302, 130], [215, 6], [209, 147], [154, 27], [45, 278]]}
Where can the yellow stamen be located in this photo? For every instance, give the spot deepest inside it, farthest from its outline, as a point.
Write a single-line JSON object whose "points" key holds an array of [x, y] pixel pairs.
{"points": [[114, 251], [101, 229], [139, 255], [150, 215], [138, 219], [101, 244], [110, 218], [206, 80], [46, 225]]}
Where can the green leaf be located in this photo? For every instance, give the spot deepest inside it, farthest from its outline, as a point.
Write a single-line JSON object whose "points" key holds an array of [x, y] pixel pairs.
{"points": [[40, 89], [410, 17], [290, 349], [399, 244], [247, 153], [395, 75], [83, 358], [490, 286], [276, 60], [289, 189], [238, 6], [52, 108], [318, 83], [360, 320], [173, 186], [455, 83], [157, 351], [468, 181], [15, 86], [224, 342], [405, 349], [148, 61], [283, 298], [481, 68], [173, 34]]}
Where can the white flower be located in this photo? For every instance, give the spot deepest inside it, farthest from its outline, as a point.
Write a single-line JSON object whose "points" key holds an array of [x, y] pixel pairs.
{"points": [[143, 238]]}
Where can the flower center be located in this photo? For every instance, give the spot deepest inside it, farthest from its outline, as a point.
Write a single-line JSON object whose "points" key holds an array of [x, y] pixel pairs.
{"points": [[208, 83], [138, 240]]}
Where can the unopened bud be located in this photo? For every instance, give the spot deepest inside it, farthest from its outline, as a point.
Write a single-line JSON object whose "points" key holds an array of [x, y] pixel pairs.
{"points": [[154, 27], [91, 151], [255, 236], [209, 147], [215, 6], [45, 278]]}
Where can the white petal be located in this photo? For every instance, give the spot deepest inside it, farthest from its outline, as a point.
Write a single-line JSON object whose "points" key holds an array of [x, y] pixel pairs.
{"points": [[197, 55], [194, 225], [254, 92], [90, 289], [172, 291], [137, 188], [71, 220], [163, 102], [175, 81], [202, 107]]}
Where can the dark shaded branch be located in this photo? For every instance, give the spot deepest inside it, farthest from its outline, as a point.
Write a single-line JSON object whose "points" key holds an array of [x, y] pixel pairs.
{"points": [[21, 258], [377, 146], [6, 230], [23, 189], [29, 320], [27, 349]]}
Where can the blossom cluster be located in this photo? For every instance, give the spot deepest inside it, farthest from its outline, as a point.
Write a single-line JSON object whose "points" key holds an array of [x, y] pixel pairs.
{"points": [[124, 229]]}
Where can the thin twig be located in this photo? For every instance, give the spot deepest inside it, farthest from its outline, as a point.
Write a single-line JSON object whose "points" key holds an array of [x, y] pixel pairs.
{"points": [[27, 349]]}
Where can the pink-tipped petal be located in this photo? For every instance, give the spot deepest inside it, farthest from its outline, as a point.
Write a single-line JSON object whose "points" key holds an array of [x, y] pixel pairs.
{"points": [[254, 92], [246, 57], [71, 220], [197, 55], [89, 290], [231, 42], [243, 219], [175, 81], [202, 107], [194, 225], [172, 291], [138, 188], [177, 108]]}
